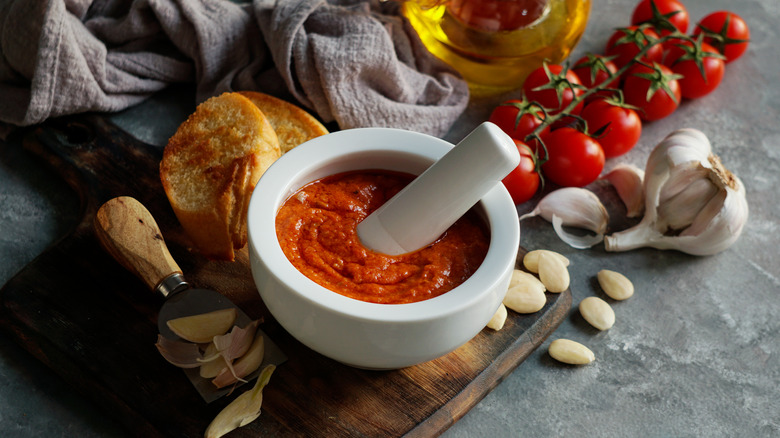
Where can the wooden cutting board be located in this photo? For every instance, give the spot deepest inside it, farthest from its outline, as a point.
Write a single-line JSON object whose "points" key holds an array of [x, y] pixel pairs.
{"points": [[93, 323]]}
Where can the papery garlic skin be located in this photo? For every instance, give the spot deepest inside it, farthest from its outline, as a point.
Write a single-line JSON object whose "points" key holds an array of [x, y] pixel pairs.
{"points": [[708, 206], [573, 207]]}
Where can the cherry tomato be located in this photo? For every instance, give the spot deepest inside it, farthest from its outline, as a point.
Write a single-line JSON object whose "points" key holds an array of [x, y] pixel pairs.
{"points": [[594, 70], [508, 117], [546, 88], [655, 91], [575, 160], [497, 15], [666, 12], [626, 43], [522, 182], [684, 59], [616, 129], [725, 31]]}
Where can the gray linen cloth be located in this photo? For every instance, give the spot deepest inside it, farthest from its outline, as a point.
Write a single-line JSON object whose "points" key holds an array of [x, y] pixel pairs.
{"points": [[357, 63]]}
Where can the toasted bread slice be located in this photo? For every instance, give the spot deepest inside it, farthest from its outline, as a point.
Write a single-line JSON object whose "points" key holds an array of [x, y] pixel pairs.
{"points": [[292, 124], [210, 167]]}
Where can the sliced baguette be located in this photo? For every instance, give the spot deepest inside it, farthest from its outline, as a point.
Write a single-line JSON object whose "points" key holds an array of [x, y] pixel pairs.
{"points": [[210, 167], [292, 124]]}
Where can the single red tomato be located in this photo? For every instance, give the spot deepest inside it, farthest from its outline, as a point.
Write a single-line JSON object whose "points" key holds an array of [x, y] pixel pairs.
{"points": [[523, 182], [686, 59], [655, 91], [625, 44], [595, 70], [574, 159], [617, 129], [517, 118], [661, 14], [553, 87], [725, 31]]}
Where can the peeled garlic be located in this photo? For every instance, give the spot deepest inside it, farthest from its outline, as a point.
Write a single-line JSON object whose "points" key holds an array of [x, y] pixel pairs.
{"points": [[628, 181], [573, 207], [692, 203]]}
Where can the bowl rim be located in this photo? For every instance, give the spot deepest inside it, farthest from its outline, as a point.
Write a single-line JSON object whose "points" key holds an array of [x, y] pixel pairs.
{"points": [[283, 178]]}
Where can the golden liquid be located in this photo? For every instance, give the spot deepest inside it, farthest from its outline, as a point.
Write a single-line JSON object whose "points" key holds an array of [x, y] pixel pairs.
{"points": [[498, 61]]}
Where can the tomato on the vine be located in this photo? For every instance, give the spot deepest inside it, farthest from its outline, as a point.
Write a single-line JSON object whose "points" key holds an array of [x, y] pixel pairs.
{"points": [[725, 31], [617, 129], [700, 65], [574, 158], [660, 14], [594, 70], [517, 118], [547, 85], [626, 43], [523, 182], [655, 91]]}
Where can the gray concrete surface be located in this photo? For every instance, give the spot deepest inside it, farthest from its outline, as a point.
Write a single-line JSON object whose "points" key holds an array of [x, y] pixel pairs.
{"points": [[695, 352]]}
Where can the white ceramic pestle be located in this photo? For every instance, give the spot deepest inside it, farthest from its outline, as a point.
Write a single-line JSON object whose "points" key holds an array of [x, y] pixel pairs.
{"points": [[421, 212]]}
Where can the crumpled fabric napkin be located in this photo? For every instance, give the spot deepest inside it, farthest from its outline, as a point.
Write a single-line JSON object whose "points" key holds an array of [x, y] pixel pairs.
{"points": [[357, 63]]}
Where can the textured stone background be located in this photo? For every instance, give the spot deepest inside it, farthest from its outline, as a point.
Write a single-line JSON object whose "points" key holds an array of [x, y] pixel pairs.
{"points": [[694, 353]]}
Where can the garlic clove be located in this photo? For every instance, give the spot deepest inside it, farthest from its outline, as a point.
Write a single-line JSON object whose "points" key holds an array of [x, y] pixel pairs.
{"points": [[679, 211], [180, 353], [576, 207], [628, 181], [212, 363], [241, 411], [203, 327], [244, 366]]}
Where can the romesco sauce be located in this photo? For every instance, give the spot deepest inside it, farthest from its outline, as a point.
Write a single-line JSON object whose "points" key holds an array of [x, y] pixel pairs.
{"points": [[316, 228]]}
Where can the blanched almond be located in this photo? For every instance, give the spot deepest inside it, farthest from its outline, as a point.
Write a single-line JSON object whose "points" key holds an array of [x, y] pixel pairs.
{"points": [[498, 319], [531, 259], [525, 293], [202, 328], [615, 284], [570, 352], [553, 273], [597, 312]]}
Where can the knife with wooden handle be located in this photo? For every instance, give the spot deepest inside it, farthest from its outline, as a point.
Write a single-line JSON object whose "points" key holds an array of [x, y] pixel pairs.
{"points": [[127, 231]]}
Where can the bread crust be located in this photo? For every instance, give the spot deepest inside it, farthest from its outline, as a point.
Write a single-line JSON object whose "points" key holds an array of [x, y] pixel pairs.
{"points": [[210, 167], [292, 124]]}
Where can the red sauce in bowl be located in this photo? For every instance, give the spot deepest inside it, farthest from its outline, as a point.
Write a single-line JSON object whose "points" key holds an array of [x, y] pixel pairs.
{"points": [[316, 228]]}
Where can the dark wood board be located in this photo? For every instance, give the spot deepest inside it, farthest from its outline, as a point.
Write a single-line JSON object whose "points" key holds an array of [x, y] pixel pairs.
{"points": [[93, 323]]}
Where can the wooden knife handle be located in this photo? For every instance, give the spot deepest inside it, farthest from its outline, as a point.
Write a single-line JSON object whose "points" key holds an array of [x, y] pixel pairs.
{"points": [[130, 234]]}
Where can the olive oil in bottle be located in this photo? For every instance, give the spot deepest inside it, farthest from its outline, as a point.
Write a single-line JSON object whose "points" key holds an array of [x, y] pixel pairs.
{"points": [[495, 44]]}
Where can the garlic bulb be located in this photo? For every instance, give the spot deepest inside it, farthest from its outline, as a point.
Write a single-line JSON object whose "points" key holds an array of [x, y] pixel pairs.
{"points": [[573, 207], [692, 203]]}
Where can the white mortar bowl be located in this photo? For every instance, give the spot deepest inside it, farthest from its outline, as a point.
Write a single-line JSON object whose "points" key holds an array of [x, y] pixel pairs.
{"points": [[358, 333]]}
